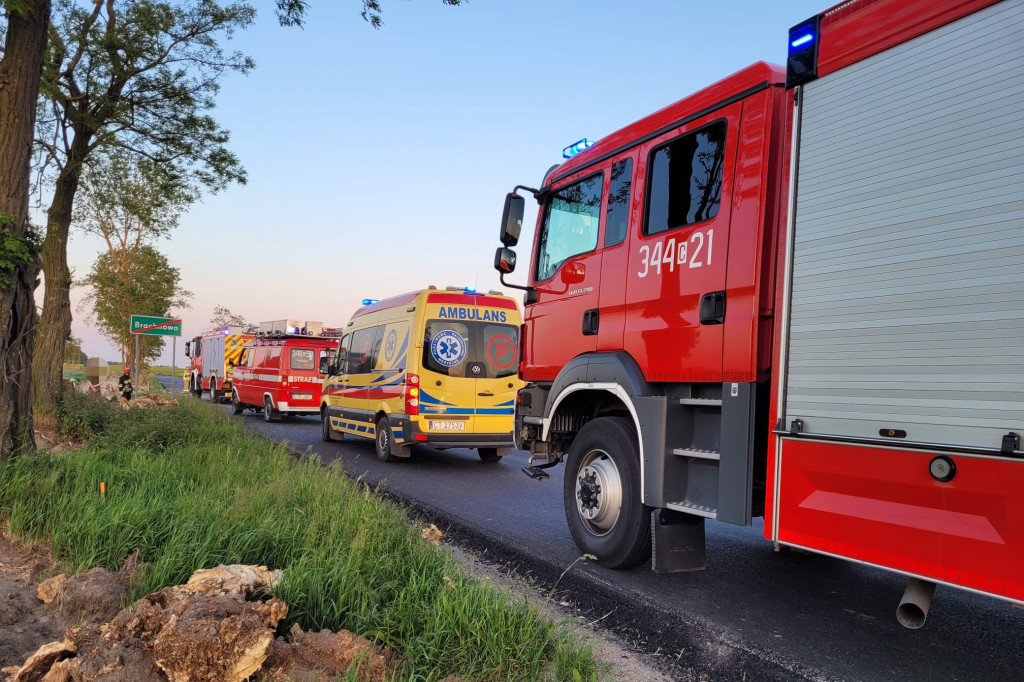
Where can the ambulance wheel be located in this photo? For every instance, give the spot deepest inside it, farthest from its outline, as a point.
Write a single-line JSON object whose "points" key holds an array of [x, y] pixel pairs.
{"points": [[269, 413], [236, 406], [326, 432], [382, 443], [488, 454], [602, 496]]}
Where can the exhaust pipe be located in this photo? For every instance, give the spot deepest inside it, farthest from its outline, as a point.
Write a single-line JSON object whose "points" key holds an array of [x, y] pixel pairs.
{"points": [[917, 599]]}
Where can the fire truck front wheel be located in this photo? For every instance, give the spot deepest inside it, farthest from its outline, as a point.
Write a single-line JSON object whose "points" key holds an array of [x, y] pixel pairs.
{"points": [[602, 496]]}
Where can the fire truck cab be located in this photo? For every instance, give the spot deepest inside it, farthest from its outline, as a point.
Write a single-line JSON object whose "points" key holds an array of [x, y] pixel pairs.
{"points": [[278, 372], [796, 294]]}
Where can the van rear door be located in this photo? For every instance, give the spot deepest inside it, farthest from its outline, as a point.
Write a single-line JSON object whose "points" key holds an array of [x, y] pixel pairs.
{"points": [[447, 387], [497, 383]]}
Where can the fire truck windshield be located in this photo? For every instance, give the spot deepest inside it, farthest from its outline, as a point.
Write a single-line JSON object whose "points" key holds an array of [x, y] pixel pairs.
{"points": [[571, 217]]}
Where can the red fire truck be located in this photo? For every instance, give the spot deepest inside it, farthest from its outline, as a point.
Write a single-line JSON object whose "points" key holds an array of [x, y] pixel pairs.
{"points": [[797, 294], [279, 371], [213, 357]]}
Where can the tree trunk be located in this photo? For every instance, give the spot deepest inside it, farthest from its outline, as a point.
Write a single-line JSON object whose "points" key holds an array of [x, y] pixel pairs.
{"points": [[20, 75], [55, 322]]}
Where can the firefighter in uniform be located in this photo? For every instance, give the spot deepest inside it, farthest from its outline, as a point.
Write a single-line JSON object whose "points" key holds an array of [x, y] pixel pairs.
{"points": [[124, 384]]}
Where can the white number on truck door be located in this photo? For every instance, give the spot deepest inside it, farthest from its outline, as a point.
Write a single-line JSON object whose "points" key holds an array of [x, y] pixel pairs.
{"points": [[669, 254]]}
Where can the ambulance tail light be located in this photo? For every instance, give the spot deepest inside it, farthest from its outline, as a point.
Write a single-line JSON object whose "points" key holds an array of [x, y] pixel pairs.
{"points": [[412, 394]]}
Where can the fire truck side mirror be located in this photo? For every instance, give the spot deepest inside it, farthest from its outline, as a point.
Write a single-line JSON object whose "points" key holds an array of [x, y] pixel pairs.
{"points": [[512, 219], [325, 365], [504, 260], [188, 352]]}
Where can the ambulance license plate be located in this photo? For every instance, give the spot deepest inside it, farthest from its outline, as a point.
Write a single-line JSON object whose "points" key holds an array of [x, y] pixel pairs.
{"points": [[450, 425]]}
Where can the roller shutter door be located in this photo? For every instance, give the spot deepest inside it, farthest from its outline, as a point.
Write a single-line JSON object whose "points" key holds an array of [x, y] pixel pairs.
{"points": [[907, 307]]}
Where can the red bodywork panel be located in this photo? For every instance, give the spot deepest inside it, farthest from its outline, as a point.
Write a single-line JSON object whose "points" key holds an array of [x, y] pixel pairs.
{"points": [[882, 507], [853, 31]]}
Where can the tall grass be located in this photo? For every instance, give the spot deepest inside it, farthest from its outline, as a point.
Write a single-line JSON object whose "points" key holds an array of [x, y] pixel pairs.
{"points": [[188, 489]]}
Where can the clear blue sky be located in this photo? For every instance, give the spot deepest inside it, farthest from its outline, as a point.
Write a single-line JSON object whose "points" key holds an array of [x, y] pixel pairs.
{"points": [[378, 161]]}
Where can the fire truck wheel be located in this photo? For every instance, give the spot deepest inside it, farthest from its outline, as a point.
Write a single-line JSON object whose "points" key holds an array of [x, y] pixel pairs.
{"points": [[602, 496], [236, 406], [214, 394], [488, 454], [383, 441], [326, 432], [269, 413]]}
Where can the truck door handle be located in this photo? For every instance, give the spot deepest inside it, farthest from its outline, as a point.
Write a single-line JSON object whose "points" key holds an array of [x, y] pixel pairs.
{"points": [[712, 308], [590, 322]]}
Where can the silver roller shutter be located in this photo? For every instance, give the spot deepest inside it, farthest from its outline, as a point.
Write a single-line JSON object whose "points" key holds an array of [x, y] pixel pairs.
{"points": [[907, 306]]}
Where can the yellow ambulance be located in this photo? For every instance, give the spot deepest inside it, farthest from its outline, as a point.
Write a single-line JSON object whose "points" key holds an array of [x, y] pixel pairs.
{"points": [[437, 367]]}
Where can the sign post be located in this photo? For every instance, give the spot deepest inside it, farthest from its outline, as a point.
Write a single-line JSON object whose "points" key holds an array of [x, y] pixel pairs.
{"points": [[146, 325]]}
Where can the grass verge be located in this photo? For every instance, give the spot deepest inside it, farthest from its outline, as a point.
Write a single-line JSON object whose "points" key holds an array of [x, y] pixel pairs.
{"points": [[189, 489]]}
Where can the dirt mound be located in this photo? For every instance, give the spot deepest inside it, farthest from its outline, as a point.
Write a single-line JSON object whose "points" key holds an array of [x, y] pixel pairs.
{"points": [[312, 656], [219, 626], [146, 402]]}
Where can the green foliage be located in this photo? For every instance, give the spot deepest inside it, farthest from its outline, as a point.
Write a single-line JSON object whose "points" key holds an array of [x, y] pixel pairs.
{"points": [[146, 285], [190, 489], [81, 416], [141, 77], [15, 251]]}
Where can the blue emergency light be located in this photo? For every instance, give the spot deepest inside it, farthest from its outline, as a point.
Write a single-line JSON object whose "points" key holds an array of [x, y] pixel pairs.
{"points": [[470, 290], [802, 63], [802, 40], [576, 147], [370, 301]]}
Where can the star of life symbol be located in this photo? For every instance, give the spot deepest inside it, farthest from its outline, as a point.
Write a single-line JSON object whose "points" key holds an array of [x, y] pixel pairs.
{"points": [[448, 348], [391, 345]]}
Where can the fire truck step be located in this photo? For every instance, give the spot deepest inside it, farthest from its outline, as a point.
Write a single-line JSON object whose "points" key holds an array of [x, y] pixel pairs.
{"points": [[701, 402], [536, 473], [698, 509], [694, 452]]}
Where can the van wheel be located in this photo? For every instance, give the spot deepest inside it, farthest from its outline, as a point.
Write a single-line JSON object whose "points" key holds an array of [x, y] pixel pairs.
{"points": [[382, 443], [269, 413], [488, 454], [236, 406], [602, 496], [326, 432]]}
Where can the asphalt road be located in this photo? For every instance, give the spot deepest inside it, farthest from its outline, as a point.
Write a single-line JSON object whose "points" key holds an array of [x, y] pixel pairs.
{"points": [[753, 614]]}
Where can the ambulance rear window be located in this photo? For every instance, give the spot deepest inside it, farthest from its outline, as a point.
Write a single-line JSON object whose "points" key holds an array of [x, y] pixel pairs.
{"points": [[477, 350], [303, 358]]}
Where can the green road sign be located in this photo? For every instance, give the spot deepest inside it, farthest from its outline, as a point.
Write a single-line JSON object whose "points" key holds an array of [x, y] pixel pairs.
{"points": [[159, 326]]}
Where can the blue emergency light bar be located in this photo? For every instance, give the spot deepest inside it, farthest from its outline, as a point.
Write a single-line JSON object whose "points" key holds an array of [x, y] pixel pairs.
{"points": [[370, 301], [802, 62], [802, 40], [576, 147]]}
